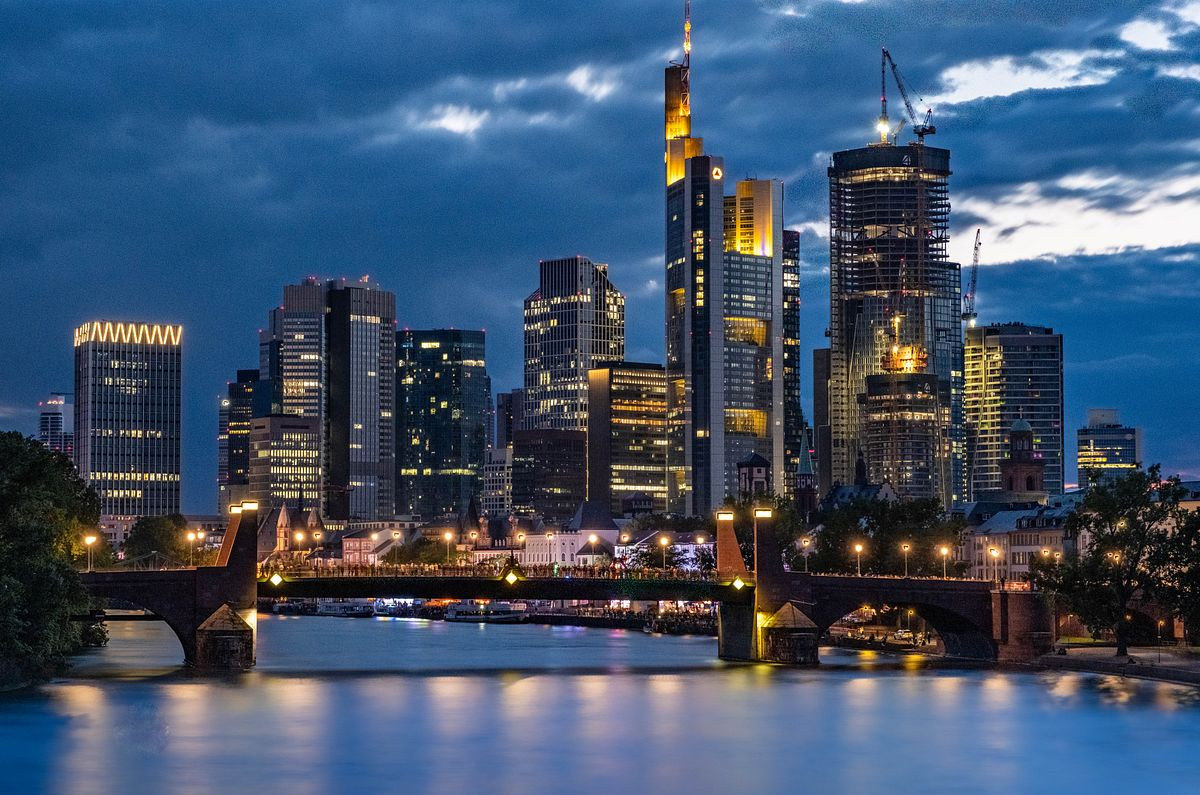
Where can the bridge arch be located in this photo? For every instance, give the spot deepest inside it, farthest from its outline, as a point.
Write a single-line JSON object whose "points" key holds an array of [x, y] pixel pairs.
{"points": [[961, 634]]}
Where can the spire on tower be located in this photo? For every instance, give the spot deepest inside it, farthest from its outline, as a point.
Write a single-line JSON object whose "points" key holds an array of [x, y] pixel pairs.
{"points": [[686, 99]]}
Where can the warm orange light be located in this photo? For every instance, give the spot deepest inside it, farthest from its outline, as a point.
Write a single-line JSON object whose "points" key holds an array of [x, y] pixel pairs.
{"points": [[89, 540], [191, 536], [448, 536], [592, 539], [299, 535], [944, 551], [763, 513], [858, 547], [724, 516], [699, 539], [663, 540]]}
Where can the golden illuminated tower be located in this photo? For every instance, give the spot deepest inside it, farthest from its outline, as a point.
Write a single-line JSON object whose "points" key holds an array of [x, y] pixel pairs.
{"points": [[127, 410]]}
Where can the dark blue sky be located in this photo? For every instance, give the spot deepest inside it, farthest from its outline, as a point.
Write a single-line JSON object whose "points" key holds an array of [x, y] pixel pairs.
{"points": [[181, 162]]}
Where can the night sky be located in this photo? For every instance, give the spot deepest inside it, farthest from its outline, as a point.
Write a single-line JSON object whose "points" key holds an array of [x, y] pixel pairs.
{"points": [[180, 162]]}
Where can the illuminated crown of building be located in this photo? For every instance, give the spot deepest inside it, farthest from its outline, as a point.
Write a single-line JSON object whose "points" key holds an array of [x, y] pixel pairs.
{"points": [[136, 333]]}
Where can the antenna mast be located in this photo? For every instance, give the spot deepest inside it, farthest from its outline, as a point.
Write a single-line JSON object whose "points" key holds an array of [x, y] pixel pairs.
{"points": [[686, 97]]}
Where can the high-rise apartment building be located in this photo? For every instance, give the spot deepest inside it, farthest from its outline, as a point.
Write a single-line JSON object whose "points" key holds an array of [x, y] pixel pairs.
{"points": [[496, 499], [233, 440], [284, 461], [56, 423], [627, 435], [724, 314], [1107, 449], [127, 412], [1013, 372], [894, 392], [574, 321], [443, 406], [329, 352]]}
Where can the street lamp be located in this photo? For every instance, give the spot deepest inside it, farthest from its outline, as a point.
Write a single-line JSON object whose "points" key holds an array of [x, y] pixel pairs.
{"points": [[944, 551], [448, 536], [759, 513], [191, 537], [905, 548], [474, 535], [88, 540], [592, 539], [664, 543], [806, 542], [995, 553], [858, 548]]}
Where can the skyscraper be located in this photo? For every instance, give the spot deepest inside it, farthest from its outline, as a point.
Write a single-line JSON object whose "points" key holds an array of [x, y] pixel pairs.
{"points": [[1013, 372], [329, 353], [895, 358], [549, 472], [574, 321], [627, 434], [443, 401], [724, 310], [795, 445], [510, 413], [127, 410], [1106, 448], [233, 440], [56, 423]]}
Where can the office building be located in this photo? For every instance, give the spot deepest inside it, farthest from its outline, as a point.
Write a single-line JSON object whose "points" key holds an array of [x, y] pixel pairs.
{"points": [[895, 327], [497, 497], [794, 426], [233, 440], [284, 461], [574, 321], [1013, 372], [443, 407], [724, 309], [1106, 448], [510, 412], [127, 410], [329, 353], [56, 423], [822, 437], [627, 435], [549, 475]]}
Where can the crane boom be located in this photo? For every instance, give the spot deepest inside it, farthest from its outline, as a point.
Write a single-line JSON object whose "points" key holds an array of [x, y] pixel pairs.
{"points": [[969, 313], [922, 127]]}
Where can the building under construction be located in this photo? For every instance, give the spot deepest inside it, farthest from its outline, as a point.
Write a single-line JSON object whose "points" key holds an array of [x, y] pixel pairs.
{"points": [[895, 360]]}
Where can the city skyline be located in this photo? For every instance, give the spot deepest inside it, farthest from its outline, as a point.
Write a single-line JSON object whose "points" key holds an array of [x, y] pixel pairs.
{"points": [[616, 84]]}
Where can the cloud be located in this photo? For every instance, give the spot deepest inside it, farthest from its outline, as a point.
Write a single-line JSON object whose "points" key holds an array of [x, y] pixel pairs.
{"points": [[458, 119], [1148, 34], [592, 83], [1006, 75]]}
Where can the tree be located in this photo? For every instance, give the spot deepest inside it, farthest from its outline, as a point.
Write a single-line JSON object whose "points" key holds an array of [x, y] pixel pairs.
{"points": [[1122, 538], [651, 556], [45, 509], [1180, 570], [883, 528], [166, 535]]}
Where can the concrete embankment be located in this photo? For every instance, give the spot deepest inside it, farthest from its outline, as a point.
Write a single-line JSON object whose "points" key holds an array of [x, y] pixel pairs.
{"points": [[1118, 667]]}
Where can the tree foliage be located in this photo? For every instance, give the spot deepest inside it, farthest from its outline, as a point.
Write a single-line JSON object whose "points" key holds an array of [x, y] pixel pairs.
{"points": [[883, 528], [45, 509], [166, 535], [1123, 550]]}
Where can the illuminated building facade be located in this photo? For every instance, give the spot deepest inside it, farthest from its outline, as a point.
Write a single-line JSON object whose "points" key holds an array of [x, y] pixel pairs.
{"points": [[56, 423], [795, 446], [549, 476], [329, 353], [1106, 448], [895, 311], [443, 404], [496, 499], [574, 321], [1013, 372], [233, 440], [285, 461], [127, 409], [627, 435], [724, 313]]}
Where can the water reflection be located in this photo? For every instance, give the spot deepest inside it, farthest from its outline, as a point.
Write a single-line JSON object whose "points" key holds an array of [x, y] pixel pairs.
{"points": [[384, 706]]}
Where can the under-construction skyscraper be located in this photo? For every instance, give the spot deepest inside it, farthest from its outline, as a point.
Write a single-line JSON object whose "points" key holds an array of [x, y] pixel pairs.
{"points": [[895, 328]]}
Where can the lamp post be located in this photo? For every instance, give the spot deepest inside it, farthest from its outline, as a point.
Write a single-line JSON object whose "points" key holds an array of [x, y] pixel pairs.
{"points": [[592, 539], [1160, 626], [549, 554], [806, 542], [448, 536], [191, 537], [995, 553], [88, 540], [905, 548], [944, 551], [664, 543], [759, 513], [858, 548]]}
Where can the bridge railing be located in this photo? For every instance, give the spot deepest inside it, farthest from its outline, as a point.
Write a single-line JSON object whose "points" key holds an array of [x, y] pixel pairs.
{"points": [[526, 571]]}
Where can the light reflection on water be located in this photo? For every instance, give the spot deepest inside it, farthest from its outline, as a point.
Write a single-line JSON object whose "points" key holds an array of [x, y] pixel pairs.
{"points": [[386, 705]]}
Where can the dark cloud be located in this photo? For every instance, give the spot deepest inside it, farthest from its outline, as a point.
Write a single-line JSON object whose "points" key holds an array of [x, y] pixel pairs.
{"points": [[183, 161]]}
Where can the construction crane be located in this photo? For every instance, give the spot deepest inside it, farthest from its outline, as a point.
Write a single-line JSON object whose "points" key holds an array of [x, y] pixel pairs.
{"points": [[968, 299], [920, 128]]}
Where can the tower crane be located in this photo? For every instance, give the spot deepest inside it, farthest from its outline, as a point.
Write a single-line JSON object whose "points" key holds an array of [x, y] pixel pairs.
{"points": [[968, 300], [921, 127]]}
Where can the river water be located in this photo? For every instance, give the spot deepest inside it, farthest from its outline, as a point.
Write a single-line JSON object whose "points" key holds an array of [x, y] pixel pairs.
{"points": [[397, 705]]}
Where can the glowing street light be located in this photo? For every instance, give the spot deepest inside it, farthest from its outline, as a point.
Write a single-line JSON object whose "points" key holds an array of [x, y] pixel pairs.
{"points": [[858, 548], [806, 542], [191, 537], [759, 513], [995, 553], [664, 543], [944, 551], [448, 536], [88, 540], [592, 539], [905, 548]]}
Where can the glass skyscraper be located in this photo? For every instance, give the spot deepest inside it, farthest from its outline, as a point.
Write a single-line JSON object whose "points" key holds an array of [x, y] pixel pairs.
{"points": [[1107, 449], [233, 440], [127, 411], [627, 434], [56, 423], [443, 407]]}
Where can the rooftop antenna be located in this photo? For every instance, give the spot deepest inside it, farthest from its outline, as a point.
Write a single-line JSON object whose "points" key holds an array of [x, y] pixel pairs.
{"points": [[686, 97]]}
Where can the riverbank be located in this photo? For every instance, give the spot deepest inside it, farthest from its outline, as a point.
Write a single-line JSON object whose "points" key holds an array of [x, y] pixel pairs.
{"points": [[1158, 664]]}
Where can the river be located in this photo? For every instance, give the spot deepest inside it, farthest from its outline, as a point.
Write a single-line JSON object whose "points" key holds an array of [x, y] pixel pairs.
{"points": [[397, 705]]}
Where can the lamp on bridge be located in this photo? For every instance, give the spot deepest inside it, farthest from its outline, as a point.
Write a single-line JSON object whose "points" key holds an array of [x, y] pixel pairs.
{"points": [[759, 513], [806, 542], [664, 542], [88, 540], [858, 548], [995, 553], [905, 548], [944, 551], [448, 536], [191, 537], [592, 539]]}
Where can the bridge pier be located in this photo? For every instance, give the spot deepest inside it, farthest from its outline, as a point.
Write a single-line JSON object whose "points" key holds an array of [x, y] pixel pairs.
{"points": [[1022, 626]]}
